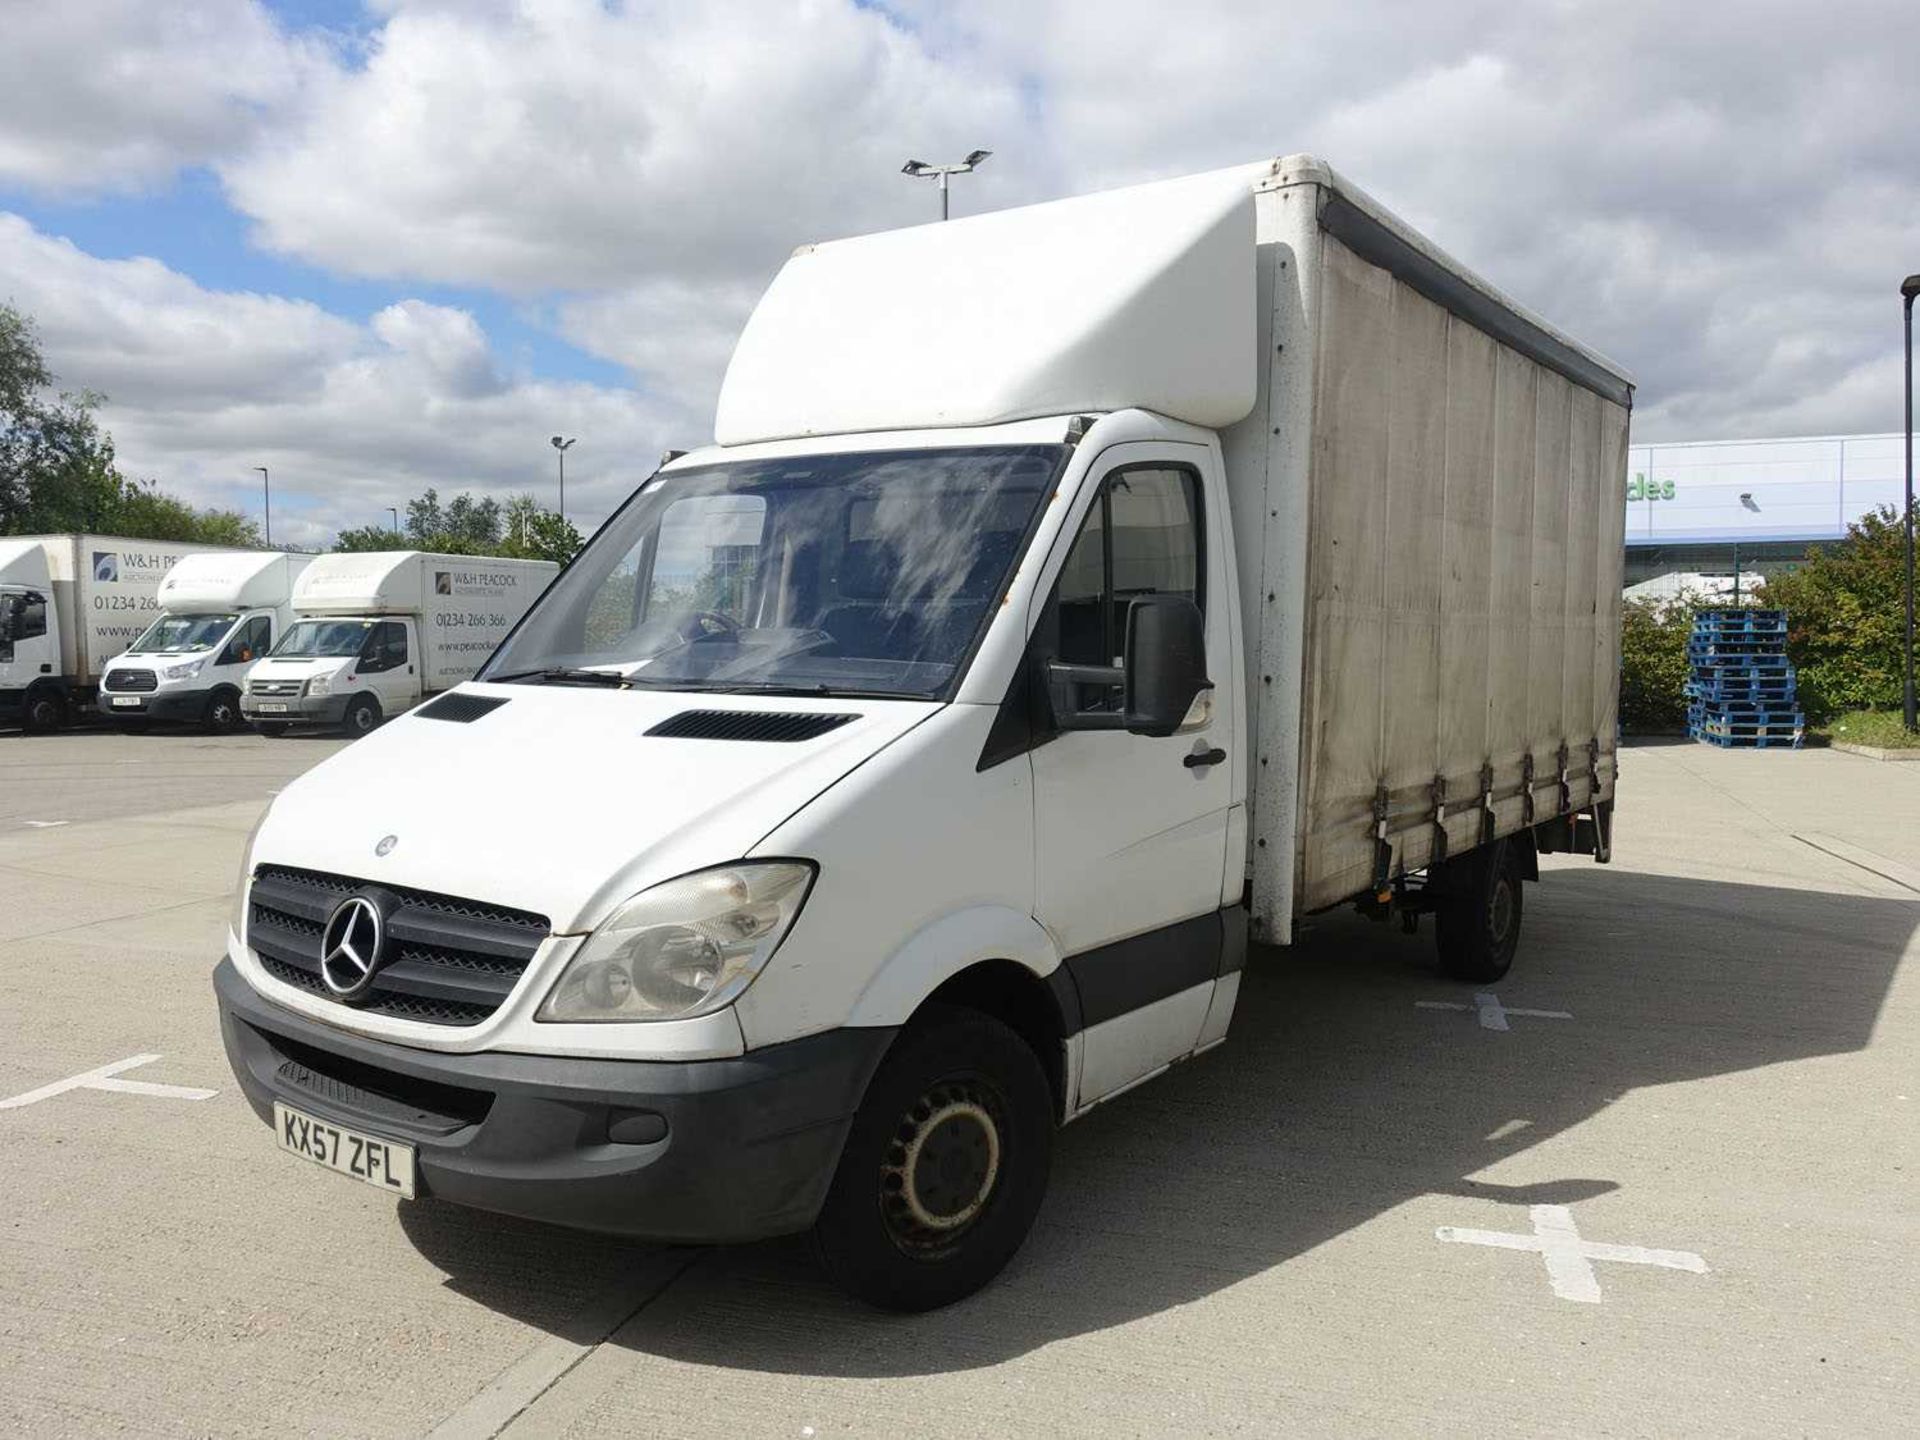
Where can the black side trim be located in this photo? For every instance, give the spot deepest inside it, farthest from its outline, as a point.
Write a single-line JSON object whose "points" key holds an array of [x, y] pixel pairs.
{"points": [[459, 707], [1376, 244], [747, 725], [1129, 974]]}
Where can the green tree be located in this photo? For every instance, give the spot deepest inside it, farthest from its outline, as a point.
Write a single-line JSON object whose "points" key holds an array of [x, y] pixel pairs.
{"points": [[1653, 662], [531, 533], [464, 525], [1846, 617]]}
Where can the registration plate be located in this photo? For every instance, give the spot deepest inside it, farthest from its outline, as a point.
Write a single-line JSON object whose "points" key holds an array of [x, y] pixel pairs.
{"points": [[271, 707], [382, 1164], [132, 702]]}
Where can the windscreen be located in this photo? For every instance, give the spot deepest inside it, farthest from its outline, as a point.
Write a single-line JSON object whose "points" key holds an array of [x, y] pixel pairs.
{"points": [[309, 639], [858, 574], [171, 634]]}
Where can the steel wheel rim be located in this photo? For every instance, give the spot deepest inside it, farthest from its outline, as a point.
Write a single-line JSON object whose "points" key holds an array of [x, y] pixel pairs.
{"points": [[942, 1165]]}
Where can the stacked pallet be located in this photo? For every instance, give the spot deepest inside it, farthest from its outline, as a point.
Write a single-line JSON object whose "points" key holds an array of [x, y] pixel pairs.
{"points": [[1742, 690]]}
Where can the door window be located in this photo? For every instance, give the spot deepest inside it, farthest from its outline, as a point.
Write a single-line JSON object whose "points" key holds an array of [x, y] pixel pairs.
{"points": [[254, 639], [393, 645], [1141, 537], [33, 617]]}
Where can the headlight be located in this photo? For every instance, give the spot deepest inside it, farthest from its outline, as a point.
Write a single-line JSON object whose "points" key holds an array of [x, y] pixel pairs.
{"points": [[186, 671], [683, 948], [320, 685]]}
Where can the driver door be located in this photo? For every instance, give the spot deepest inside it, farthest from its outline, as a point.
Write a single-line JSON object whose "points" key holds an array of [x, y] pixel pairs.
{"points": [[1131, 830]]}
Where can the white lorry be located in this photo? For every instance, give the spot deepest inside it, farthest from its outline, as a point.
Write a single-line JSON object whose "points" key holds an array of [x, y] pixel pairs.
{"points": [[220, 611], [1071, 590], [68, 605], [376, 632]]}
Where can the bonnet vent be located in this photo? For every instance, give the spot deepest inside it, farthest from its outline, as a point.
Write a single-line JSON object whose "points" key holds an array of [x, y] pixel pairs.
{"points": [[460, 708], [747, 725]]}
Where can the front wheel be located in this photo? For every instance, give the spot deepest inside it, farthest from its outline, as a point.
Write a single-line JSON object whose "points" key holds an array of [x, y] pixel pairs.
{"points": [[944, 1168], [223, 715], [363, 714], [45, 711], [1478, 923]]}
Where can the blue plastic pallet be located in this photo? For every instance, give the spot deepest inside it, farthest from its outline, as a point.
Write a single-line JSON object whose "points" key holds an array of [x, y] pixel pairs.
{"points": [[1748, 742]]}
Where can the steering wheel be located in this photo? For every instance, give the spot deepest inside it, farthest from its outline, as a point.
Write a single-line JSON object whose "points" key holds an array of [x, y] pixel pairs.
{"points": [[707, 625]]}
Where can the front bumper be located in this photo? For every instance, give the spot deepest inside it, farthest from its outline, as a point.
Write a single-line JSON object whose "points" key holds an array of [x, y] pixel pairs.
{"points": [[154, 704], [746, 1146], [296, 709]]}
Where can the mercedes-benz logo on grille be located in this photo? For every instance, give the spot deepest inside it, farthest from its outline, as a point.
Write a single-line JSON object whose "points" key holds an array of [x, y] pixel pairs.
{"points": [[351, 946]]}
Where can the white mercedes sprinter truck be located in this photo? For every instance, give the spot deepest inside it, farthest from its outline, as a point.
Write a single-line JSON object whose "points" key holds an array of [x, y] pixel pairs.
{"points": [[68, 605], [376, 632], [219, 613], [1070, 590]]}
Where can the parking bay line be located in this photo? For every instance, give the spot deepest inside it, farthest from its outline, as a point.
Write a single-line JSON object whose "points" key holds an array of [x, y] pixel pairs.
{"points": [[1493, 1015], [104, 1079], [502, 1399], [1569, 1259]]}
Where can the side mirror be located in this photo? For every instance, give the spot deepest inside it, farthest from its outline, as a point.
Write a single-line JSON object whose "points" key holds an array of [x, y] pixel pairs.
{"points": [[1166, 670], [1164, 676]]}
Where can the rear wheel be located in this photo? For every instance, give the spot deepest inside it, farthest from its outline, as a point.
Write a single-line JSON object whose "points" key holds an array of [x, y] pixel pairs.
{"points": [[363, 715], [1478, 923], [944, 1168]]}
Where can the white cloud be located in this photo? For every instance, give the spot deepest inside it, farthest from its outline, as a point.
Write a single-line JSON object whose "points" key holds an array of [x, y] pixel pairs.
{"points": [[114, 93], [566, 145], [350, 418], [1725, 212]]}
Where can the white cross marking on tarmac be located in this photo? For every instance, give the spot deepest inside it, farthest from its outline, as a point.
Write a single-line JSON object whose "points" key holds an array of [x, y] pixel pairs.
{"points": [[1493, 1015], [43, 824], [102, 1079], [1568, 1257]]}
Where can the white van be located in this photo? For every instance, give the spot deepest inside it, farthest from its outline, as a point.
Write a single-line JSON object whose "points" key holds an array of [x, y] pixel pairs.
{"points": [[219, 612], [376, 632], [68, 605], [1071, 591]]}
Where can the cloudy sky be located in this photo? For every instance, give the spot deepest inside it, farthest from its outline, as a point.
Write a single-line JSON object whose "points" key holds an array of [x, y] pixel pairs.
{"points": [[383, 245]]}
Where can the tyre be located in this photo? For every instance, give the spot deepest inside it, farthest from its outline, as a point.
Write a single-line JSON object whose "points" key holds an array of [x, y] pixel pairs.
{"points": [[944, 1168], [271, 728], [363, 715], [1477, 926], [45, 710], [223, 712]]}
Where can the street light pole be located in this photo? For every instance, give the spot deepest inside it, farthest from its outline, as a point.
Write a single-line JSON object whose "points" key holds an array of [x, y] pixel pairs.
{"points": [[266, 488], [562, 446], [920, 170], [1909, 288], [394, 511]]}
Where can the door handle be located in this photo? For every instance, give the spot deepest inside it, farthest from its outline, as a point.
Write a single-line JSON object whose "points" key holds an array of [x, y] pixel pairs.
{"points": [[1200, 759]]}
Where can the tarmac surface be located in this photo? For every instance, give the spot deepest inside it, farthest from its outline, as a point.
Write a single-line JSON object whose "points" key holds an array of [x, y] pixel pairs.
{"points": [[1677, 1192]]}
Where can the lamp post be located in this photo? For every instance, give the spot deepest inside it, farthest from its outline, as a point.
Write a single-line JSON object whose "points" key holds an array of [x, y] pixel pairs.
{"points": [[920, 170], [1909, 288], [266, 491], [562, 446], [394, 511]]}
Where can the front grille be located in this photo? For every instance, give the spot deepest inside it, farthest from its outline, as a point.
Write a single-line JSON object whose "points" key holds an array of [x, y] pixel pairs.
{"points": [[448, 961], [280, 689], [459, 707], [140, 681], [381, 1095]]}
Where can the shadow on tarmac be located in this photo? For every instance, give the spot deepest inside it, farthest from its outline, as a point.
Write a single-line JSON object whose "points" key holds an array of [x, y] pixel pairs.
{"points": [[1336, 1100]]}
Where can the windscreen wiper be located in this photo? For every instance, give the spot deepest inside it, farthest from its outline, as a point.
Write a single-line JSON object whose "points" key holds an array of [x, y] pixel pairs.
{"points": [[832, 692], [563, 676]]}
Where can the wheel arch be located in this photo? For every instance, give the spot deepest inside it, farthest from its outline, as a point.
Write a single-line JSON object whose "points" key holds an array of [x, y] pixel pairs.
{"points": [[992, 959]]}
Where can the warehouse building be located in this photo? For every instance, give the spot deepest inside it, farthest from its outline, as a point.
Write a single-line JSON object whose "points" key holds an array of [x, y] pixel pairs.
{"points": [[1746, 507]]}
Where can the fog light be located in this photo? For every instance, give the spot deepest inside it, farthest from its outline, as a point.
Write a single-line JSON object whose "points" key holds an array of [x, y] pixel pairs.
{"points": [[636, 1127]]}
